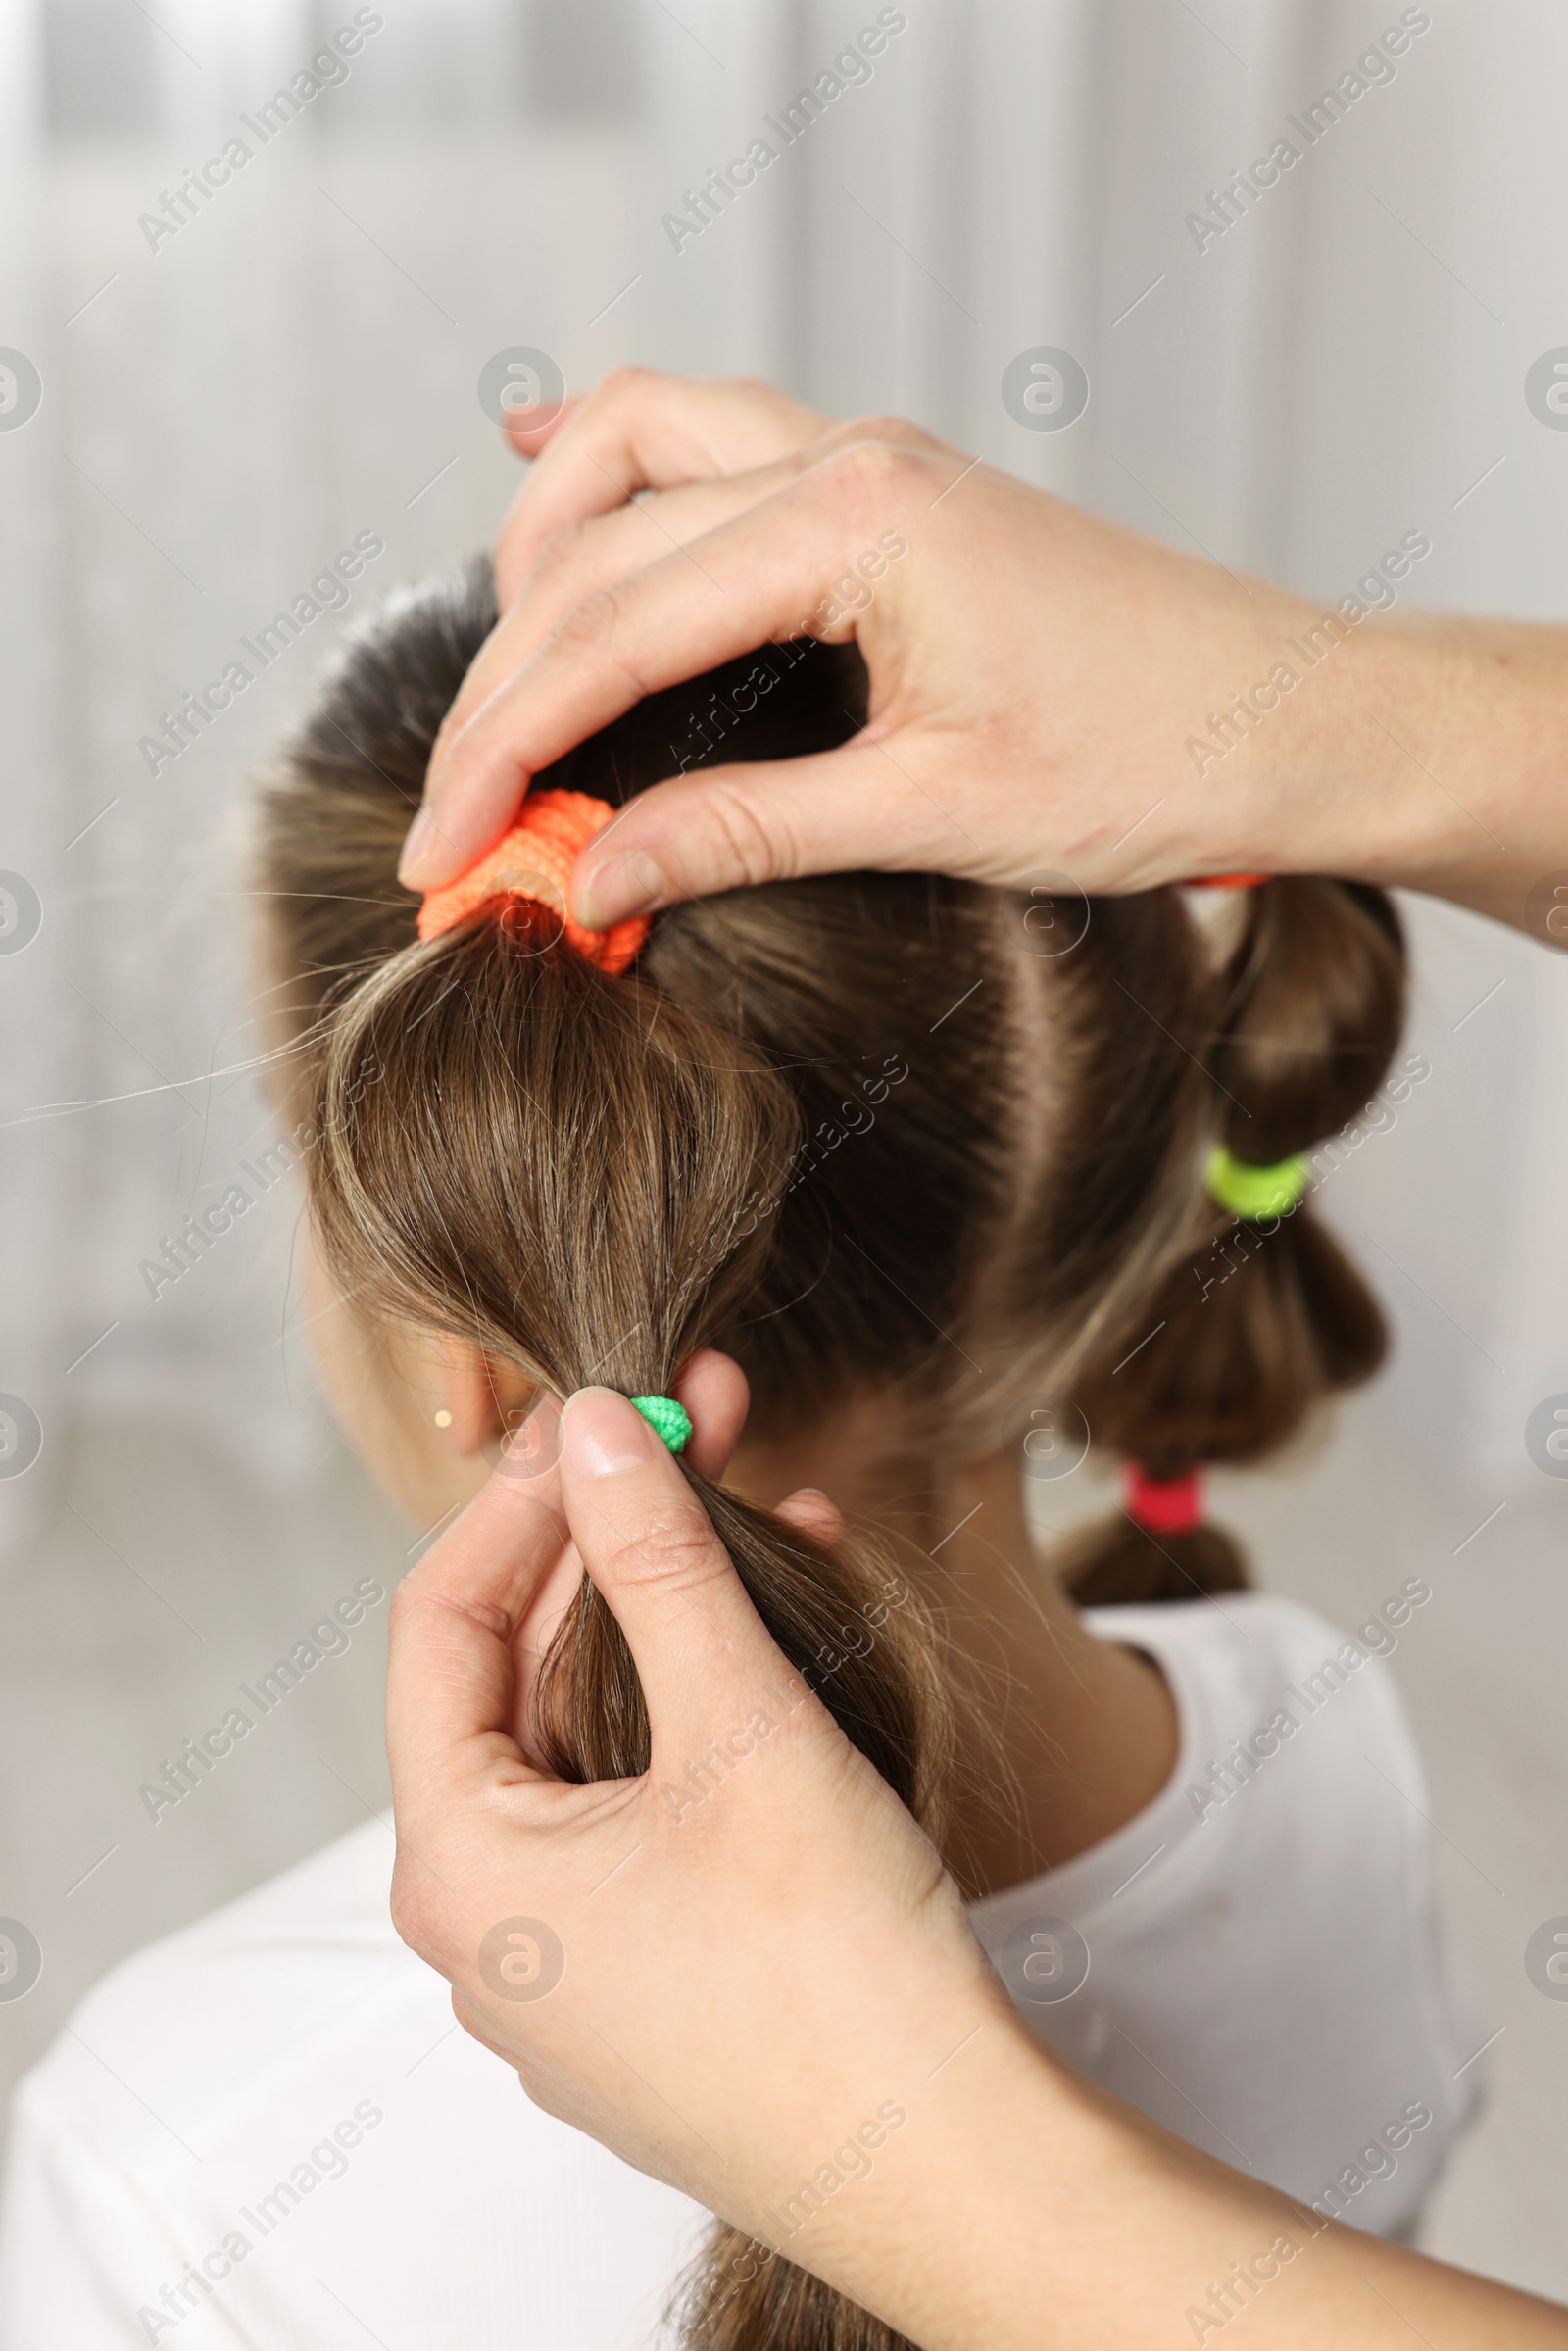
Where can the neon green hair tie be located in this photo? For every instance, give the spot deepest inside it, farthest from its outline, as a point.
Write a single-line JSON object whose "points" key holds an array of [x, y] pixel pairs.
{"points": [[1254, 1193], [672, 1421]]}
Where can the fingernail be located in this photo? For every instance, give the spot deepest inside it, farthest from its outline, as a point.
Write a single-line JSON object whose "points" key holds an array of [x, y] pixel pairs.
{"points": [[606, 1435], [629, 884], [417, 856]]}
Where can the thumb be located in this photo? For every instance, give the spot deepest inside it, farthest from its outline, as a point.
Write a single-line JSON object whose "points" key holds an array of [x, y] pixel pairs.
{"points": [[731, 828], [450, 1669], [650, 1549]]}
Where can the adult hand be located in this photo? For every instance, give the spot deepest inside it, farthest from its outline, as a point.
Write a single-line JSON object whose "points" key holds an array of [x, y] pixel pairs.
{"points": [[1049, 693], [726, 1993], [630, 1958]]}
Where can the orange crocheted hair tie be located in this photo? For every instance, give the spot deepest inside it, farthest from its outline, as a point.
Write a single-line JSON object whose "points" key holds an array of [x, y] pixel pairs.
{"points": [[1229, 881], [534, 859]]}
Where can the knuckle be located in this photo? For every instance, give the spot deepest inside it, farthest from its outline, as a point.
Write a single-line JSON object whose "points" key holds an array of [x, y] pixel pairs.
{"points": [[743, 844], [677, 1546], [760, 400], [897, 435], [589, 626], [557, 551], [868, 474], [892, 431], [630, 383], [594, 634]]}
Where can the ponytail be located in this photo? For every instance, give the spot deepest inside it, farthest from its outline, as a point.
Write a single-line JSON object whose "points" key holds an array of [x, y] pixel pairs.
{"points": [[1260, 1318], [578, 1175]]}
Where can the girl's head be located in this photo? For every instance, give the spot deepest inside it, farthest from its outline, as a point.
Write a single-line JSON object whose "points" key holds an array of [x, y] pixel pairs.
{"points": [[914, 1152], [875, 1135]]}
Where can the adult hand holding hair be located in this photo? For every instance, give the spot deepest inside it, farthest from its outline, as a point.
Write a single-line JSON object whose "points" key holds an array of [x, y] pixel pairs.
{"points": [[749, 1986], [844, 1912], [1038, 678]]}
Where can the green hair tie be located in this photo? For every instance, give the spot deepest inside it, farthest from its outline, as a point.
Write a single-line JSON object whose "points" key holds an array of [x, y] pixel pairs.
{"points": [[1254, 1193], [672, 1421]]}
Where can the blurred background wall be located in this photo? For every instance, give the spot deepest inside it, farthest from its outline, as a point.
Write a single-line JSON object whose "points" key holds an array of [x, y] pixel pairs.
{"points": [[220, 409]]}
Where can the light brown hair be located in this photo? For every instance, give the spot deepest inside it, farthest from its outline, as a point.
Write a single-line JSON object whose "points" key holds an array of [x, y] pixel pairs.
{"points": [[860, 1131]]}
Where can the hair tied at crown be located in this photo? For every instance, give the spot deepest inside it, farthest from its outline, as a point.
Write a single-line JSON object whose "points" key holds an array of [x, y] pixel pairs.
{"points": [[533, 860]]}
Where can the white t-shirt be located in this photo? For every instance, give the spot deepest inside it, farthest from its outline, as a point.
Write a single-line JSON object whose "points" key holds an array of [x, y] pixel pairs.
{"points": [[266, 2130]]}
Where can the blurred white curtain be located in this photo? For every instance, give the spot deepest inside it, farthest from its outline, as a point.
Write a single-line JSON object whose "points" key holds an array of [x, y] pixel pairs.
{"points": [[299, 364], [37, 1168]]}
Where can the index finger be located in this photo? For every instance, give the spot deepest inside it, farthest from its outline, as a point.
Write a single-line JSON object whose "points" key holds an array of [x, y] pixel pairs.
{"points": [[641, 430], [450, 1670]]}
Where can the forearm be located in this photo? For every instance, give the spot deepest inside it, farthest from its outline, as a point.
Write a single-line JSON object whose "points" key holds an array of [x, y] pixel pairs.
{"points": [[1024, 2210], [1426, 752]]}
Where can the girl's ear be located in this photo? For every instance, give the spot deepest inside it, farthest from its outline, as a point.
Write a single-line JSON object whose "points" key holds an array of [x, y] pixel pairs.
{"points": [[479, 1396]]}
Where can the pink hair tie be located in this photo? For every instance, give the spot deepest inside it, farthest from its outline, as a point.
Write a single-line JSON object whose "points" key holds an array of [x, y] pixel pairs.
{"points": [[535, 860], [1162, 1505]]}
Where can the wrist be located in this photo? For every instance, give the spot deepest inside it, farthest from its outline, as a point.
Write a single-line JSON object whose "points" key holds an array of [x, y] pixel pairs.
{"points": [[1420, 752], [1486, 714], [1333, 776], [973, 2118]]}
